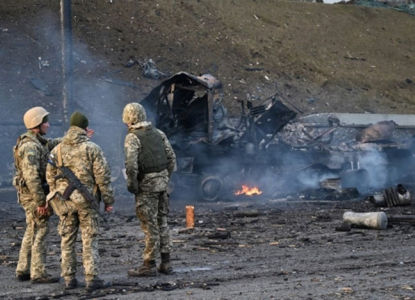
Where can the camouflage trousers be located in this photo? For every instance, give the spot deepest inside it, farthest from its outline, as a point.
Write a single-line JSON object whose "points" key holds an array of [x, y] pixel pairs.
{"points": [[32, 255], [70, 222], [152, 210]]}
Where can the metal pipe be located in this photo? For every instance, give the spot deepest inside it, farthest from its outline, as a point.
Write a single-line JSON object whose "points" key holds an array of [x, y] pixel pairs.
{"points": [[67, 59]]}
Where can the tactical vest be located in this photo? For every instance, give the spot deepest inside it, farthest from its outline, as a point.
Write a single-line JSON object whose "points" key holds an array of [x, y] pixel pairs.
{"points": [[152, 158]]}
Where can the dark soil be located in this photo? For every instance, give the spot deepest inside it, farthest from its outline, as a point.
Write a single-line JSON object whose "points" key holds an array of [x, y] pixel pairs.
{"points": [[256, 249], [350, 58], [319, 58]]}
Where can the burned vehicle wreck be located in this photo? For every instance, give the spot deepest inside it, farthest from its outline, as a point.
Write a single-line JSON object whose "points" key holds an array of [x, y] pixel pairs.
{"points": [[357, 153], [268, 150], [215, 154]]}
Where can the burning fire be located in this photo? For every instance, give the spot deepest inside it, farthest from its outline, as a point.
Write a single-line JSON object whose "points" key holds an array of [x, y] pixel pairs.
{"points": [[248, 191]]}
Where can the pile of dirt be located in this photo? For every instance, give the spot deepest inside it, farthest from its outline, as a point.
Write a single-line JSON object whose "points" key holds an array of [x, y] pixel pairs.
{"points": [[319, 57]]}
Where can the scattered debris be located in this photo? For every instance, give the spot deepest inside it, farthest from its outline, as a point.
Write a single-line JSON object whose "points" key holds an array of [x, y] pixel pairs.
{"points": [[381, 131], [43, 63], [246, 213], [371, 220], [392, 197], [397, 219], [353, 58], [345, 226], [41, 85], [339, 155], [190, 216], [149, 68], [189, 110]]}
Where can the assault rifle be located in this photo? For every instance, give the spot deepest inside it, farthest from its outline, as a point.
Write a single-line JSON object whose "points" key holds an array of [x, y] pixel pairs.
{"points": [[74, 183]]}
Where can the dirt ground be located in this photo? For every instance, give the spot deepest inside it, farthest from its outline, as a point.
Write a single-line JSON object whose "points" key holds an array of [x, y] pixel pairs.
{"points": [[248, 249], [319, 58]]}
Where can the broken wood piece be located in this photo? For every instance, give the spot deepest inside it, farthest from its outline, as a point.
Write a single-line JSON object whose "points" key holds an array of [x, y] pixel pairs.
{"points": [[178, 241], [204, 249], [190, 216]]}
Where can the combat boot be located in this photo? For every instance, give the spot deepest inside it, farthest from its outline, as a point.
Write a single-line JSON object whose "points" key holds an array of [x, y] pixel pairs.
{"points": [[23, 277], [165, 265], [44, 279], [96, 284], [148, 269], [71, 283]]}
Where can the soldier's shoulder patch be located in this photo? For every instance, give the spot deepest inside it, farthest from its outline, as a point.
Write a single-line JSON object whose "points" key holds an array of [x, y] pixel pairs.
{"points": [[31, 158]]}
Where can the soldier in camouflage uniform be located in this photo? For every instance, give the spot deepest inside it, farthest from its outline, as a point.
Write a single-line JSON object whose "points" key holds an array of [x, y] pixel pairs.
{"points": [[87, 162], [149, 162], [30, 157]]}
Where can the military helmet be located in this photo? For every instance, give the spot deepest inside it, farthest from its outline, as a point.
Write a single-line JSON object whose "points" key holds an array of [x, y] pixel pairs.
{"points": [[34, 117], [134, 113]]}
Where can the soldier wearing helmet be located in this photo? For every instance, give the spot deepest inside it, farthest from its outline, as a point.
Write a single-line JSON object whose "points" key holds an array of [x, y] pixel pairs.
{"points": [[30, 158], [149, 163]]}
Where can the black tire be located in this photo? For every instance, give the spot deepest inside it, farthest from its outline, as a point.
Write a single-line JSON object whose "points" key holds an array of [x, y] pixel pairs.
{"points": [[210, 188]]}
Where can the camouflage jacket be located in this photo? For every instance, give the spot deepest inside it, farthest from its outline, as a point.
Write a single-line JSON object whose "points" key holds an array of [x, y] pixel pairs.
{"points": [[30, 154], [87, 162], [151, 182]]}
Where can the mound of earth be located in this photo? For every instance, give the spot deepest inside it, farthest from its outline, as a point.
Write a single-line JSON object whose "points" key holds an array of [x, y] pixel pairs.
{"points": [[318, 57]]}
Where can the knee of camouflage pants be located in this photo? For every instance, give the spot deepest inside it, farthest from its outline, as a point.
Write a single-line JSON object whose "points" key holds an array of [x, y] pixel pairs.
{"points": [[89, 222]]}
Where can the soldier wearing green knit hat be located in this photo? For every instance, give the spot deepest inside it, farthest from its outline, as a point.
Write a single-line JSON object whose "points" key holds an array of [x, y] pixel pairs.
{"points": [[87, 161], [79, 119]]}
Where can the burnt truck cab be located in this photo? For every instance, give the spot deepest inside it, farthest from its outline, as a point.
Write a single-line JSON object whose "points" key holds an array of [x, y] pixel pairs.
{"points": [[186, 105], [212, 149]]}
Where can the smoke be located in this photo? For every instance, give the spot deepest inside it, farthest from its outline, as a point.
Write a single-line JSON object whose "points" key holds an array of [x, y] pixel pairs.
{"points": [[281, 170], [101, 101], [275, 171], [38, 49], [376, 164]]}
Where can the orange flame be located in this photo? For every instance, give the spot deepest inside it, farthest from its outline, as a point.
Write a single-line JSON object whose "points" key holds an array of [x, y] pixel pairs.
{"points": [[248, 191]]}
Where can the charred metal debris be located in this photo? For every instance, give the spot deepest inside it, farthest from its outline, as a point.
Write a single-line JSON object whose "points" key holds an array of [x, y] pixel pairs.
{"points": [[270, 148]]}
